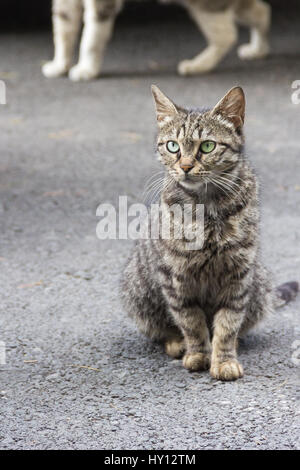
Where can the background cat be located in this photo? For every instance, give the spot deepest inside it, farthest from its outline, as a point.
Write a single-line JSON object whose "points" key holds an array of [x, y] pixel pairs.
{"points": [[216, 19]]}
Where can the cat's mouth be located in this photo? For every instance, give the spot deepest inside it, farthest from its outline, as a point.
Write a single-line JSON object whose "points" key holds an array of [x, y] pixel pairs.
{"points": [[190, 178], [190, 181]]}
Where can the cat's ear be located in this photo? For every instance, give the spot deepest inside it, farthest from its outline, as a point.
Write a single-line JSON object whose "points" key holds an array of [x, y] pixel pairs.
{"points": [[165, 108], [232, 106]]}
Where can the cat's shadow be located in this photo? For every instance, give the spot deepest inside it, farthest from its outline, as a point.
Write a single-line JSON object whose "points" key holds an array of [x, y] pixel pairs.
{"points": [[225, 69], [139, 348], [254, 342]]}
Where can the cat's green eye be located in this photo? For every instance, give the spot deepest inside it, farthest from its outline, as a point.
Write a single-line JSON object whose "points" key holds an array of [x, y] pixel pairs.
{"points": [[207, 146], [172, 146]]}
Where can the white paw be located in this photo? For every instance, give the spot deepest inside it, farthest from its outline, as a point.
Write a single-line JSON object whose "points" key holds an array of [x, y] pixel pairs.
{"points": [[54, 69], [249, 52], [192, 67], [83, 72]]}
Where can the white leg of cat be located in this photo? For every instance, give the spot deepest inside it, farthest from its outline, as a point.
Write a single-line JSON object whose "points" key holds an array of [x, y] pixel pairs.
{"points": [[97, 31], [258, 17], [66, 19], [220, 32]]}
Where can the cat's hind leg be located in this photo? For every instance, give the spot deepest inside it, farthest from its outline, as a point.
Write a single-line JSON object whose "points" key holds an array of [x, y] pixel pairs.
{"points": [[142, 298], [220, 31], [152, 319], [66, 18], [175, 346], [258, 17], [99, 17]]}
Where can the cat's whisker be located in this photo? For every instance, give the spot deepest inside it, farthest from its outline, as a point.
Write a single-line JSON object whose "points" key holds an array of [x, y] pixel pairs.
{"points": [[151, 196], [238, 192], [229, 181], [212, 181], [228, 184], [234, 177], [154, 176], [226, 188], [153, 185], [233, 191], [156, 188]]}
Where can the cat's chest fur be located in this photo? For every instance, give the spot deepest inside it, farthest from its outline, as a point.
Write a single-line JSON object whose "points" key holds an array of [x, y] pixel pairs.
{"points": [[185, 260], [204, 273]]}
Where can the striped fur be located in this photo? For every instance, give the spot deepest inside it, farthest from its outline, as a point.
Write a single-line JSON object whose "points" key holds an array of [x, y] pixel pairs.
{"points": [[199, 302]]}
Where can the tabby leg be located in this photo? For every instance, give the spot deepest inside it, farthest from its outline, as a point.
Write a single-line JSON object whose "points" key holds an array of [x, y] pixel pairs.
{"points": [[66, 18], [224, 363], [99, 16], [220, 32], [258, 17], [192, 323]]}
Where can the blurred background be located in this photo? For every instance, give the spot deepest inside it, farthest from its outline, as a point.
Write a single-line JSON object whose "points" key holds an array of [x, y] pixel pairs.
{"points": [[35, 14], [67, 147]]}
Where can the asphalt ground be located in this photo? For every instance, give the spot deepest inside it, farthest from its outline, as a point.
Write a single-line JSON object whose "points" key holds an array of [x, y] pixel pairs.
{"points": [[78, 375]]}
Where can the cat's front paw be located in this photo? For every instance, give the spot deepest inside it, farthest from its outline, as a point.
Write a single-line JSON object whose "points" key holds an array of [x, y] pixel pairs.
{"points": [[193, 67], [54, 69], [228, 370], [196, 361], [82, 72], [250, 51]]}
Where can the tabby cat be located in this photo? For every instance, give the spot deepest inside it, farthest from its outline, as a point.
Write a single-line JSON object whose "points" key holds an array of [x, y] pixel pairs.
{"points": [[198, 302], [215, 18]]}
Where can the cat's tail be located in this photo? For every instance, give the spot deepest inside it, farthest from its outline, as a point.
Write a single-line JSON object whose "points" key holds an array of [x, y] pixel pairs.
{"points": [[285, 293]]}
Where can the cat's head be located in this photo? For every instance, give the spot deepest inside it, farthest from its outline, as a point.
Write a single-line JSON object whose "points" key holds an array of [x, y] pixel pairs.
{"points": [[197, 145]]}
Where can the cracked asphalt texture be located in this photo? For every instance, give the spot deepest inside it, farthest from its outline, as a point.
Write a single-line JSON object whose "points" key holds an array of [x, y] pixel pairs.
{"points": [[78, 375]]}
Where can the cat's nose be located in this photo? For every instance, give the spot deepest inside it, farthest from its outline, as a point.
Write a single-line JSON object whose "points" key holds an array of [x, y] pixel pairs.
{"points": [[186, 168]]}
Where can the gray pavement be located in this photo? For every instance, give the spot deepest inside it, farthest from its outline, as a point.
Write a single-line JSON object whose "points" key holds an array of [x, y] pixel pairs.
{"points": [[65, 148]]}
